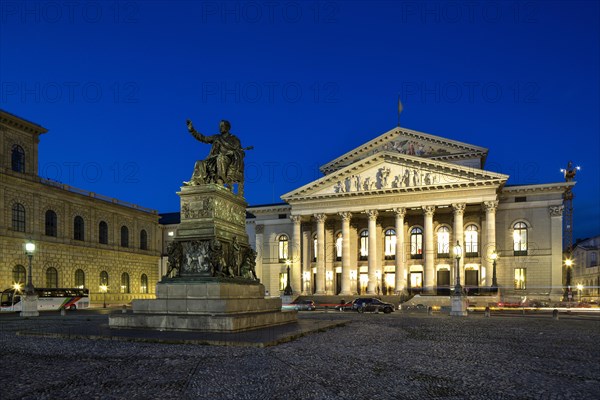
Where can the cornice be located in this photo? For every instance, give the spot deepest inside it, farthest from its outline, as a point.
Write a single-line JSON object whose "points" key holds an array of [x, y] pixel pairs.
{"points": [[15, 122], [543, 187]]}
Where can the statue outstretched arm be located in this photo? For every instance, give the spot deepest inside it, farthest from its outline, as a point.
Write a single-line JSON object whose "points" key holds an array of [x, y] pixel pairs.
{"points": [[197, 135]]}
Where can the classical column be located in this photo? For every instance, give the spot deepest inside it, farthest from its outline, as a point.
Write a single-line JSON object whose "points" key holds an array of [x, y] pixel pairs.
{"points": [[490, 225], [296, 278], [372, 258], [258, 247], [346, 284], [400, 264], [320, 218], [429, 253], [306, 262], [459, 210], [556, 221]]}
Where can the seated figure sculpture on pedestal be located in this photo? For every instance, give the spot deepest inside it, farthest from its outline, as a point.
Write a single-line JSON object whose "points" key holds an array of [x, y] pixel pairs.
{"points": [[225, 162]]}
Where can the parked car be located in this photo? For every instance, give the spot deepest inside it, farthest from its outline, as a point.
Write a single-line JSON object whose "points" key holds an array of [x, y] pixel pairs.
{"points": [[300, 305], [372, 304]]}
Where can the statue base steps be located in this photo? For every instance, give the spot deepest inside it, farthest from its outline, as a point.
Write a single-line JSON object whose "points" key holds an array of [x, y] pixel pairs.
{"points": [[211, 306]]}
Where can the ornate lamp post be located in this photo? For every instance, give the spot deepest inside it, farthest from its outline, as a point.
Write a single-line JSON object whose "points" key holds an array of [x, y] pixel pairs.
{"points": [[494, 256], [30, 298], [288, 287], [104, 289], [458, 300]]}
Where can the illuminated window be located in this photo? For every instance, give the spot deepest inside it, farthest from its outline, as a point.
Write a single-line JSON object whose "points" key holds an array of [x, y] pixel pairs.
{"points": [[125, 283], [124, 236], [103, 232], [390, 244], [79, 279], [338, 246], [19, 274], [143, 240], [520, 239], [416, 243], [443, 242], [471, 241], [364, 245], [283, 246], [144, 284], [18, 217], [51, 278], [315, 248], [18, 159], [520, 278], [104, 278], [282, 281], [51, 223], [78, 228]]}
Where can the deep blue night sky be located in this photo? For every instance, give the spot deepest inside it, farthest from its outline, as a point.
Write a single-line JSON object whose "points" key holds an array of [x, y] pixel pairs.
{"points": [[303, 82]]}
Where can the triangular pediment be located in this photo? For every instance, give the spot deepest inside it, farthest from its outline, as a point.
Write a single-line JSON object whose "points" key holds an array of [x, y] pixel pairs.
{"points": [[387, 172], [410, 142]]}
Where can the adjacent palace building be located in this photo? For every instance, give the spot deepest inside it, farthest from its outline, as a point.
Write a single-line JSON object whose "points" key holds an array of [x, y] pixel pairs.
{"points": [[82, 239], [383, 220]]}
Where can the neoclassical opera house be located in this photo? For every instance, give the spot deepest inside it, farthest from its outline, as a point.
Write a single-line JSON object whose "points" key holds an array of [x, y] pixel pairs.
{"points": [[385, 217]]}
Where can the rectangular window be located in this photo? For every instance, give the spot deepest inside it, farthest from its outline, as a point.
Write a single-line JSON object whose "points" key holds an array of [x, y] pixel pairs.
{"points": [[520, 281], [593, 259], [282, 281], [520, 199]]}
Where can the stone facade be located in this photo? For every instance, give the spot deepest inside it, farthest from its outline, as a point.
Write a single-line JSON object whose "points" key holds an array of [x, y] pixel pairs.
{"points": [[25, 199], [410, 197], [586, 268]]}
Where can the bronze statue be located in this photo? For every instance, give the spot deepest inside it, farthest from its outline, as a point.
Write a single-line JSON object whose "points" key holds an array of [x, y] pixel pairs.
{"points": [[225, 162], [174, 258]]}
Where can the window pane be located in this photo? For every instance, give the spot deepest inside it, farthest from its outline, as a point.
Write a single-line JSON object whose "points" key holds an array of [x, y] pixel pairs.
{"points": [[416, 241], [283, 247], [51, 278], [143, 240], [124, 236], [104, 278], [78, 228], [390, 243], [51, 223], [18, 217], [144, 284], [103, 232], [18, 159], [520, 278], [125, 283], [443, 240], [79, 279], [471, 239], [364, 244]]}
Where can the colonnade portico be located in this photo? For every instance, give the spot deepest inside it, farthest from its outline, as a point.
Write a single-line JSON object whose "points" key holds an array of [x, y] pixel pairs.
{"points": [[350, 264]]}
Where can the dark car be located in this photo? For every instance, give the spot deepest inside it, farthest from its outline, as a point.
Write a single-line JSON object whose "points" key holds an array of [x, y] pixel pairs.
{"points": [[300, 305], [372, 304]]}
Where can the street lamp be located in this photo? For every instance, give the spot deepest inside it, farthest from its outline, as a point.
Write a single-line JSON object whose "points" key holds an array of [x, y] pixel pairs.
{"points": [[494, 256], [579, 289], [457, 255], [104, 289], [288, 287], [29, 250]]}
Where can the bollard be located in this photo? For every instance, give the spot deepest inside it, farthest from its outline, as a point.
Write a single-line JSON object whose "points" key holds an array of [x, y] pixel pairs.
{"points": [[429, 310], [63, 312], [487, 312], [555, 314], [124, 310]]}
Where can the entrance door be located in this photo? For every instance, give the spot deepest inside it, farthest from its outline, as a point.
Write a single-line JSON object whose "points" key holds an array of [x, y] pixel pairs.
{"points": [[443, 282], [472, 281], [338, 282], [363, 282], [416, 282]]}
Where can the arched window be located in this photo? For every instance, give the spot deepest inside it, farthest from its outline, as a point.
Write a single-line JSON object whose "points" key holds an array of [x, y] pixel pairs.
{"points": [[51, 223], [78, 228], [143, 240], [363, 245], [19, 274], [471, 241], [18, 217], [315, 247], [338, 246], [125, 283], [443, 242], [283, 247], [124, 236], [520, 239], [144, 284], [79, 279], [416, 243], [390, 244], [18, 159], [104, 278], [51, 278], [103, 232]]}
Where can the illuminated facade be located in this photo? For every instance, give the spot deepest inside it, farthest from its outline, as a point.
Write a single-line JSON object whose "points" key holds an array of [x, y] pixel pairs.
{"points": [[385, 216], [83, 239], [586, 268]]}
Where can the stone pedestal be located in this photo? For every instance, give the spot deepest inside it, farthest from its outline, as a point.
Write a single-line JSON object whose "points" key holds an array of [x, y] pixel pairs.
{"points": [[30, 305], [458, 306], [207, 305]]}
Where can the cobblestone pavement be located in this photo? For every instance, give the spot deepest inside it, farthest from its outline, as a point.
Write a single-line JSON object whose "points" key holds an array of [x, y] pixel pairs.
{"points": [[376, 356]]}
